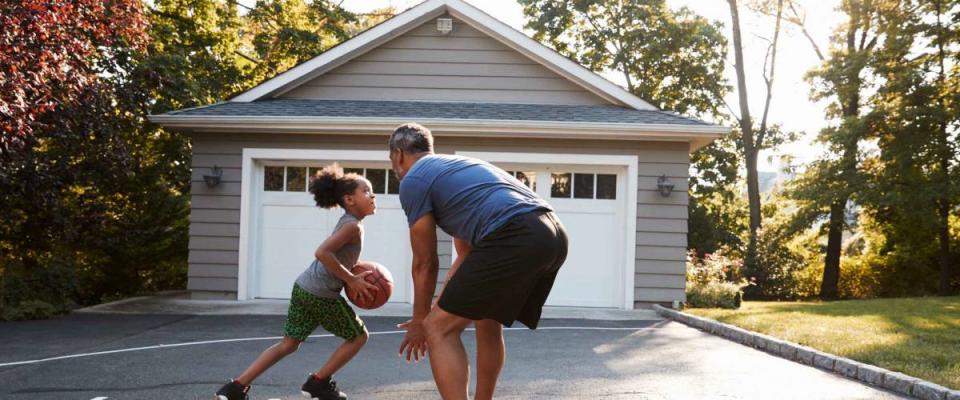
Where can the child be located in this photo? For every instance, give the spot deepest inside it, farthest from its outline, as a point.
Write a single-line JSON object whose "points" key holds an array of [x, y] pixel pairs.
{"points": [[316, 298]]}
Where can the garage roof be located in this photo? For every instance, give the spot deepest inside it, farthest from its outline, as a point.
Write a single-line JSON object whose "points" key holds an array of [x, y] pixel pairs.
{"points": [[416, 110]]}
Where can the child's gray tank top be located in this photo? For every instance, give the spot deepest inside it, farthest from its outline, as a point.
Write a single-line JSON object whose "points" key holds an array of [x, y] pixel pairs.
{"points": [[321, 283]]}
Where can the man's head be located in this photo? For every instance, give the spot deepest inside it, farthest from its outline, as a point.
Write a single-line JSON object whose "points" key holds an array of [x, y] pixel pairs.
{"points": [[408, 143]]}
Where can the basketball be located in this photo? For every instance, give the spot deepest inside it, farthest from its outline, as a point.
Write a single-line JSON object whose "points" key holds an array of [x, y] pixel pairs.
{"points": [[381, 278]]}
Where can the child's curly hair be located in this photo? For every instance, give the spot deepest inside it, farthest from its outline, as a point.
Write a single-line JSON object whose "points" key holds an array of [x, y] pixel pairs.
{"points": [[330, 184]]}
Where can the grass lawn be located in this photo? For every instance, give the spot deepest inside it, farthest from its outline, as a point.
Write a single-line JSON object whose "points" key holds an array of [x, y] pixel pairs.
{"points": [[916, 336]]}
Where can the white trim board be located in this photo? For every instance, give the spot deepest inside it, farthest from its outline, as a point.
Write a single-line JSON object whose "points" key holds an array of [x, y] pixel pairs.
{"points": [[696, 135], [630, 231], [470, 15], [248, 226]]}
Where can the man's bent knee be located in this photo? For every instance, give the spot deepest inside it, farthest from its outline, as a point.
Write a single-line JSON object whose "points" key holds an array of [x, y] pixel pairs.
{"points": [[439, 324]]}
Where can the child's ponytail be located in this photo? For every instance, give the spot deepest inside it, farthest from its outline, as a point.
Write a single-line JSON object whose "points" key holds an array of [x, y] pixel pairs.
{"points": [[329, 186]]}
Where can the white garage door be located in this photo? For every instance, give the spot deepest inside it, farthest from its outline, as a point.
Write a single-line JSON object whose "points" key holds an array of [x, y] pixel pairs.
{"points": [[590, 201], [290, 226]]}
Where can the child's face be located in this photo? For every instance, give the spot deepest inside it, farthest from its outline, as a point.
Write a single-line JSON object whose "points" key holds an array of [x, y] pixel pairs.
{"points": [[362, 202]]}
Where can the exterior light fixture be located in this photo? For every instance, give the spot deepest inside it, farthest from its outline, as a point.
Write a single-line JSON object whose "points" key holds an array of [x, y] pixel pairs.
{"points": [[664, 187], [213, 179]]}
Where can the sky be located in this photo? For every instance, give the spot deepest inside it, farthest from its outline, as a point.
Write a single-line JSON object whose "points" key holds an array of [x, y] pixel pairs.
{"points": [[791, 106]]}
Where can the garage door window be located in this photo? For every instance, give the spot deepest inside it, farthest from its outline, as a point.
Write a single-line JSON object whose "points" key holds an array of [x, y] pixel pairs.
{"points": [[383, 180], [565, 185], [273, 179], [295, 178], [528, 178]]}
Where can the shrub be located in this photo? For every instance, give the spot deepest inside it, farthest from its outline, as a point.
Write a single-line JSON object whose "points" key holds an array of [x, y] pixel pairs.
{"points": [[713, 295], [717, 267], [55, 284], [775, 275], [714, 280], [31, 309]]}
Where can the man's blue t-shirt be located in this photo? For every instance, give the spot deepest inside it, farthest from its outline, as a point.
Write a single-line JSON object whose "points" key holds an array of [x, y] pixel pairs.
{"points": [[469, 198]]}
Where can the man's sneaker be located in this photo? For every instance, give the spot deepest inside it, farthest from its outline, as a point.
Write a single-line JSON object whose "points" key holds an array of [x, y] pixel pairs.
{"points": [[233, 390], [325, 389]]}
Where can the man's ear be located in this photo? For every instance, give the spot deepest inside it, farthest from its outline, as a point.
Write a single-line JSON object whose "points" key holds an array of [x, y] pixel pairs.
{"points": [[399, 156]]}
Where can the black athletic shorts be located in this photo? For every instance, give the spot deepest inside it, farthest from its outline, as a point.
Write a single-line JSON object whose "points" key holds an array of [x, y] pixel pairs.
{"points": [[508, 275]]}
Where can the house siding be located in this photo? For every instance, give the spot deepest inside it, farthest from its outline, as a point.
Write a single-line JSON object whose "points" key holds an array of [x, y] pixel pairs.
{"points": [[661, 222], [465, 65]]}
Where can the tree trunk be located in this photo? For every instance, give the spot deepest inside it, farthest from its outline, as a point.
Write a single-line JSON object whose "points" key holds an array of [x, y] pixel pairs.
{"points": [[747, 137], [829, 288], [753, 196], [946, 275], [944, 154]]}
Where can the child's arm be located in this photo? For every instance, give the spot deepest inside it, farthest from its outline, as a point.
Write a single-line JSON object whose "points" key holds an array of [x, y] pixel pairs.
{"points": [[325, 254]]}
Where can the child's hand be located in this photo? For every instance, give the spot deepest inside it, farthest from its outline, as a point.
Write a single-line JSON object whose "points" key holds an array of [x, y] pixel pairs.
{"points": [[415, 341], [359, 285]]}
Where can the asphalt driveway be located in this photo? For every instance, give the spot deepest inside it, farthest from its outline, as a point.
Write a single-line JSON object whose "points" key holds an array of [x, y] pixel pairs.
{"points": [[119, 356]]}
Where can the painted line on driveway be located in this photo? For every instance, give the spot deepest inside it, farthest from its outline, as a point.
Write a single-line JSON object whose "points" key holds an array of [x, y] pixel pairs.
{"points": [[165, 346]]}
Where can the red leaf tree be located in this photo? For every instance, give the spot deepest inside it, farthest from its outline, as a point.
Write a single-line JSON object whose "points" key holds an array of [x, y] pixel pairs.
{"points": [[53, 50]]}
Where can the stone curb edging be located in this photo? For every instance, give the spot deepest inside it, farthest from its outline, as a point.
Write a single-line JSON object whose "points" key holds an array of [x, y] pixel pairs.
{"points": [[869, 374]]}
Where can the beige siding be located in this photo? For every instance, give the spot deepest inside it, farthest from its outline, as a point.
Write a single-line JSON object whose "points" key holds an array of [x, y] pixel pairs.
{"points": [[465, 65], [661, 222]]}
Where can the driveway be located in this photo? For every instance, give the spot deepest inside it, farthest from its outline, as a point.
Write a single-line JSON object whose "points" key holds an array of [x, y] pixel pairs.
{"points": [[135, 356]]}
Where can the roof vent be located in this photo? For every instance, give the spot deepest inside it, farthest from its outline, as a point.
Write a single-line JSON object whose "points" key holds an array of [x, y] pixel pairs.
{"points": [[444, 25]]}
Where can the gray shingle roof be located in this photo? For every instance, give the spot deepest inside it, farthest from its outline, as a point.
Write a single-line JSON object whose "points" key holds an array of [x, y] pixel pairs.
{"points": [[414, 110]]}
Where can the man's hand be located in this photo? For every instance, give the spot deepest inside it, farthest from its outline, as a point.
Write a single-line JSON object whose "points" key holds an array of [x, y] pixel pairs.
{"points": [[414, 342], [358, 285]]}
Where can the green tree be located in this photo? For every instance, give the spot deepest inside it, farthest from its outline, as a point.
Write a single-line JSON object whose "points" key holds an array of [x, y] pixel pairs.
{"points": [[829, 184], [914, 180]]}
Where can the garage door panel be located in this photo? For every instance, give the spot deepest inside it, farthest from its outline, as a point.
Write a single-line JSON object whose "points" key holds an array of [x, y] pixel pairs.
{"points": [[589, 277], [386, 242], [289, 236]]}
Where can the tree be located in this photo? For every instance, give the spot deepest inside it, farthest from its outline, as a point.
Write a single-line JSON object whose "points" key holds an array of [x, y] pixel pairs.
{"points": [[831, 182], [754, 137], [62, 62], [70, 99], [914, 179]]}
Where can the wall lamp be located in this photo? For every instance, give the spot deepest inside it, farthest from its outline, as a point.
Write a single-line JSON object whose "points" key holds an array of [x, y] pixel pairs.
{"points": [[664, 187], [213, 179]]}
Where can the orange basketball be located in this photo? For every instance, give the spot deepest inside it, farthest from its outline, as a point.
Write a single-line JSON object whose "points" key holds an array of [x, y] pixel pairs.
{"points": [[381, 278]]}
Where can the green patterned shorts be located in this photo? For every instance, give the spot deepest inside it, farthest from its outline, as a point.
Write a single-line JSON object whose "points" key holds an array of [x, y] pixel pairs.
{"points": [[308, 311]]}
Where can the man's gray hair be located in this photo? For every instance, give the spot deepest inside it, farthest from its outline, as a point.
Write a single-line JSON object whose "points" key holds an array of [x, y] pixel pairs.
{"points": [[412, 138]]}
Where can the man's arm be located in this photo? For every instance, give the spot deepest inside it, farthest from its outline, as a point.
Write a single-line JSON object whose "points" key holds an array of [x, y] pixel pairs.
{"points": [[423, 242], [463, 248]]}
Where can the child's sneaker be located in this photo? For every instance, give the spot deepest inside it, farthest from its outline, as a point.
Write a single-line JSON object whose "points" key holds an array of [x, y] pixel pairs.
{"points": [[233, 390], [321, 389]]}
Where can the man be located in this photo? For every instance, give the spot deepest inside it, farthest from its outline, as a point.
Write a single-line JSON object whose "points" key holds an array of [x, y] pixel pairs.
{"points": [[510, 246]]}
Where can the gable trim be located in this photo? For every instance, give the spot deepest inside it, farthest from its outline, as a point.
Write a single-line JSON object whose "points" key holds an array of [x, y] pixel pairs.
{"points": [[345, 51], [407, 20]]}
